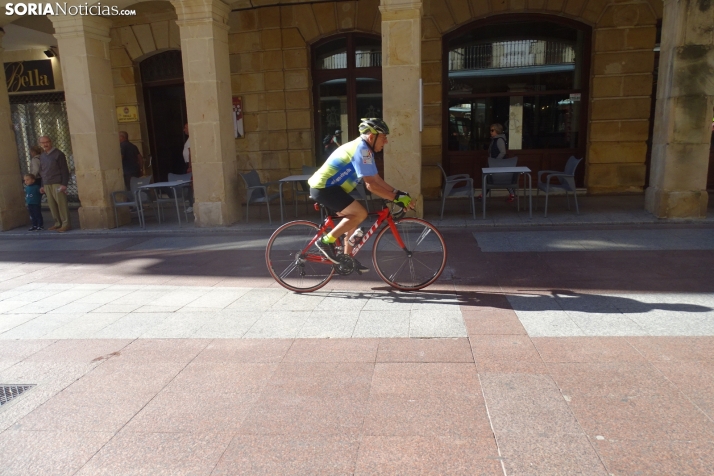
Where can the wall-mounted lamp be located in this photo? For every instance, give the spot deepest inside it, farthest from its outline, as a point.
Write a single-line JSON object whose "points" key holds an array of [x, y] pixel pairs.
{"points": [[51, 52]]}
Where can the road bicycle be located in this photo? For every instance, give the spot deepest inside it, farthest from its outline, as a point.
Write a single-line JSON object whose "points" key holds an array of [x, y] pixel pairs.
{"points": [[408, 253]]}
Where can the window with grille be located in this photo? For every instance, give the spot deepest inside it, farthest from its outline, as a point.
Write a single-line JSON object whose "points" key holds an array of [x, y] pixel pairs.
{"points": [[165, 66], [35, 115], [526, 75]]}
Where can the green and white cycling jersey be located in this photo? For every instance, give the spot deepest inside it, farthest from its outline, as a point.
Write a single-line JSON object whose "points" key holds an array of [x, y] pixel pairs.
{"points": [[346, 166]]}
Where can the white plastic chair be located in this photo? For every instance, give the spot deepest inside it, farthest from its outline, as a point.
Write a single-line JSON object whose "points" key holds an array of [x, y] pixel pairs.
{"points": [[257, 192], [130, 198], [565, 182], [302, 189], [160, 200], [450, 189]]}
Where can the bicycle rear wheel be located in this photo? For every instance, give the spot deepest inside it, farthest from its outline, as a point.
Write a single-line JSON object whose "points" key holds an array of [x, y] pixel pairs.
{"points": [[289, 266], [420, 264]]}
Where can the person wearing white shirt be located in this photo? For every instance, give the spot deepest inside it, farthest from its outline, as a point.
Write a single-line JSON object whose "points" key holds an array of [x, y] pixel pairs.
{"points": [[188, 169]]}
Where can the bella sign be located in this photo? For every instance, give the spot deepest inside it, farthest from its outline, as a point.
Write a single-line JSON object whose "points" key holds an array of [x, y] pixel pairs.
{"points": [[29, 76]]}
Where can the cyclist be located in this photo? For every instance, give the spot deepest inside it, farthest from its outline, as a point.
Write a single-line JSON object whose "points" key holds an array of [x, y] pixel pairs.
{"points": [[331, 185]]}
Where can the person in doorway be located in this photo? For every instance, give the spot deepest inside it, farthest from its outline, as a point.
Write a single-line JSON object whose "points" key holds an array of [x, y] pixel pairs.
{"points": [[131, 160], [497, 150], [187, 151], [33, 200], [35, 153], [55, 177], [331, 142], [188, 169]]}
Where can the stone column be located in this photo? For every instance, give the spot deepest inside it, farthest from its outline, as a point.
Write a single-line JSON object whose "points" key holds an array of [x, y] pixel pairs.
{"points": [[401, 71], [12, 198], [685, 98], [83, 43], [203, 25]]}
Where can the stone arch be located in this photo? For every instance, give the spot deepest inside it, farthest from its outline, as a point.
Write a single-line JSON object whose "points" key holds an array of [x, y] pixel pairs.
{"points": [[321, 20], [442, 17], [151, 31], [133, 39]]}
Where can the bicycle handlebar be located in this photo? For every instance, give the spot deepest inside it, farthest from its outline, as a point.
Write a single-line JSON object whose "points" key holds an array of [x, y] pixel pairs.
{"points": [[395, 214], [399, 214]]}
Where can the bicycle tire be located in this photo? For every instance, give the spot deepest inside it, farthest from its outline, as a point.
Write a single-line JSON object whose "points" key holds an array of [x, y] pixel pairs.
{"points": [[427, 260], [284, 263]]}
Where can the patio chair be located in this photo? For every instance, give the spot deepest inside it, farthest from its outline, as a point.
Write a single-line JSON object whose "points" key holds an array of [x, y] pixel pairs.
{"points": [[129, 198], [160, 200], [450, 189], [565, 182], [303, 188], [257, 192]]}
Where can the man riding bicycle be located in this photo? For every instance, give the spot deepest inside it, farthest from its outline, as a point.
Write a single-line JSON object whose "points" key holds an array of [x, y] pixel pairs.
{"points": [[331, 185]]}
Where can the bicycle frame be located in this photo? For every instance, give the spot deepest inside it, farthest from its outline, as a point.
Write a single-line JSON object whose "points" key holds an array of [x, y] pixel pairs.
{"points": [[383, 215]]}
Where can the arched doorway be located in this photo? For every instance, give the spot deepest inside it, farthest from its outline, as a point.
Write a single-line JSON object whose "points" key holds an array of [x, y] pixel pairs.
{"points": [[165, 106], [347, 78], [527, 72]]}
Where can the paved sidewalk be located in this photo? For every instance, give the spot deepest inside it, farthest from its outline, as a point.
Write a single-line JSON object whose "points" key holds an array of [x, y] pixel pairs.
{"points": [[569, 350]]}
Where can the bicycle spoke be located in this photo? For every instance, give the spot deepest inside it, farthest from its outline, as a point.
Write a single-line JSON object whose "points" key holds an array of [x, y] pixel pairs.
{"points": [[422, 236], [411, 269], [422, 263], [282, 257], [287, 271], [421, 266], [391, 278]]}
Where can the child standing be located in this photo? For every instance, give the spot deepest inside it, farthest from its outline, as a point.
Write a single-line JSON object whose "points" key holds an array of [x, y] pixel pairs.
{"points": [[33, 198]]}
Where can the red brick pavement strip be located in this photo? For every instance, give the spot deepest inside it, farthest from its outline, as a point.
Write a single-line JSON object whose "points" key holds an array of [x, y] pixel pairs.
{"points": [[577, 405]]}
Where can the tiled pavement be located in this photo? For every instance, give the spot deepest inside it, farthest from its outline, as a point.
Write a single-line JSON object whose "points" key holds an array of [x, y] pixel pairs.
{"points": [[557, 351]]}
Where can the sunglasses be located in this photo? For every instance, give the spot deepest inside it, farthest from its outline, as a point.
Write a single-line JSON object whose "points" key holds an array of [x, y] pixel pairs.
{"points": [[493, 130]]}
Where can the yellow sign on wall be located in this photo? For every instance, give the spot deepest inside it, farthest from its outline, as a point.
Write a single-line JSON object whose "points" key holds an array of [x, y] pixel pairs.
{"points": [[128, 114]]}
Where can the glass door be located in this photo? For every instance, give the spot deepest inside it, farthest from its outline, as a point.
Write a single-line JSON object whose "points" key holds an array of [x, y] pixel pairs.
{"points": [[347, 74]]}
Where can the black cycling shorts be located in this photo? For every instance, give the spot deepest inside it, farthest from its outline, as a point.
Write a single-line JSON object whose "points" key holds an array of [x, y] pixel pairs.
{"points": [[334, 198]]}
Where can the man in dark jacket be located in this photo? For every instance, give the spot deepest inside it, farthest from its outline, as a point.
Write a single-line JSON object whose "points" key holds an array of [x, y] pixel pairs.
{"points": [[55, 177], [131, 160]]}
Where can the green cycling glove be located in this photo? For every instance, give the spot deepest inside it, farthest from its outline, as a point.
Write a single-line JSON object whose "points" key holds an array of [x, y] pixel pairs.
{"points": [[402, 199]]}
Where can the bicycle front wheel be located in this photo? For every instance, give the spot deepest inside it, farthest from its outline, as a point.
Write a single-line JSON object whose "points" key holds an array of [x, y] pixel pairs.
{"points": [[415, 267], [288, 262]]}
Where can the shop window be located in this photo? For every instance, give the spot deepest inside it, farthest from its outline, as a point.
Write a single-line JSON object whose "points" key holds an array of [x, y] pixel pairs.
{"points": [[347, 77], [44, 114], [524, 74]]}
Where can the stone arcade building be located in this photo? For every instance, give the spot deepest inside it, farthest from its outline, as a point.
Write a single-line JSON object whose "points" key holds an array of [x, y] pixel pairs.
{"points": [[567, 77]]}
